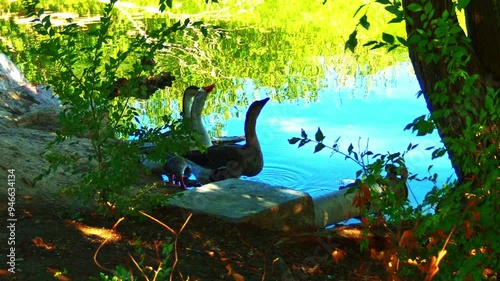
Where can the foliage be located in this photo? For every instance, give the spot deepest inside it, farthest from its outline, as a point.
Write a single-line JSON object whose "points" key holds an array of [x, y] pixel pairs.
{"points": [[91, 111], [460, 240]]}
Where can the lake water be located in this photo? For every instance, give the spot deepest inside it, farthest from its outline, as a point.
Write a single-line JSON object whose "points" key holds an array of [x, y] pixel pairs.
{"points": [[378, 113]]}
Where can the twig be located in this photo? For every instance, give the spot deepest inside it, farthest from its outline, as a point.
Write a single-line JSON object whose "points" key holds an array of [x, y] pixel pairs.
{"points": [[175, 246], [138, 267], [159, 222], [102, 244], [177, 234]]}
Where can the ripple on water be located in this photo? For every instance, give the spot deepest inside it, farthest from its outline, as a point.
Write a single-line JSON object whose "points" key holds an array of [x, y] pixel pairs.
{"points": [[299, 177]]}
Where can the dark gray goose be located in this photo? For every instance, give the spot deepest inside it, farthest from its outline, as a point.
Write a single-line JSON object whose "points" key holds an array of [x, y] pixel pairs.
{"points": [[231, 160]]}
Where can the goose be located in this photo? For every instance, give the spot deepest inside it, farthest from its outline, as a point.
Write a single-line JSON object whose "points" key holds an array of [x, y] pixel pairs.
{"points": [[195, 118], [175, 167], [231, 160], [195, 115], [193, 103]]}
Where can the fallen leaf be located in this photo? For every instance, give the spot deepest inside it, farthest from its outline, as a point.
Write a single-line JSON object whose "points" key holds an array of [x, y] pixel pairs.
{"points": [[234, 274], [338, 255]]}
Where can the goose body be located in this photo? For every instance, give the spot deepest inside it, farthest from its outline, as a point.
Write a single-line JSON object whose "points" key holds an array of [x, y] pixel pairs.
{"points": [[231, 160]]}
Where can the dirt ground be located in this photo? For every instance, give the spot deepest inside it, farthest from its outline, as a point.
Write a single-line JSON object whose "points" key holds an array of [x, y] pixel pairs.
{"points": [[54, 240]]}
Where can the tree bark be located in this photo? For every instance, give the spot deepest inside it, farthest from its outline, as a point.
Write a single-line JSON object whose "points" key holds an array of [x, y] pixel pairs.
{"points": [[483, 28]]}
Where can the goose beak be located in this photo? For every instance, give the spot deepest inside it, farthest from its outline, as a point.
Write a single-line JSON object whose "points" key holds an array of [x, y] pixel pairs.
{"points": [[208, 88], [264, 101]]}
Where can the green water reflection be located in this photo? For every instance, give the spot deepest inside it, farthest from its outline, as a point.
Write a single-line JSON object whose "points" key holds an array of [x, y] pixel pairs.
{"points": [[289, 48]]}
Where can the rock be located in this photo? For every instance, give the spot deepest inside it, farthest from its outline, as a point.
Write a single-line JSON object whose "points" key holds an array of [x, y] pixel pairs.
{"points": [[10, 76], [23, 104], [251, 202]]}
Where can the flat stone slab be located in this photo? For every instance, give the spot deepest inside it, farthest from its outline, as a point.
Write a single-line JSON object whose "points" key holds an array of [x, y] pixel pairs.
{"points": [[245, 201]]}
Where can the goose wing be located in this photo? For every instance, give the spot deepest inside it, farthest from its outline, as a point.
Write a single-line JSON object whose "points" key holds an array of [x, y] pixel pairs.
{"points": [[216, 156]]}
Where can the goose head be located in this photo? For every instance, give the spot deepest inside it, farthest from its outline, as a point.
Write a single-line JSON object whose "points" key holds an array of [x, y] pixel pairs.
{"points": [[251, 121], [188, 96]]}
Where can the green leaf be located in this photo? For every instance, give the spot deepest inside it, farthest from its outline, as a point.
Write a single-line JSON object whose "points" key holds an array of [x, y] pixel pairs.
{"points": [[364, 22], [204, 31], [303, 134], [428, 7], [384, 2], [169, 3], [378, 45], [355, 156], [462, 4], [393, 10], [392, 48], [359, 8], [438, 153], [319, 147], [402, 41], [369, 43], [423, 127], [397, 19], [293, 140], [349, 150], [303, 142], [319, 135], [352, 42], [414, 7], [388, 38]]}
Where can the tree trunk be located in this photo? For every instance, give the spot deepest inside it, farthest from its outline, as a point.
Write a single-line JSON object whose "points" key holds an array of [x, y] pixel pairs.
{"points": [[483, 28]]}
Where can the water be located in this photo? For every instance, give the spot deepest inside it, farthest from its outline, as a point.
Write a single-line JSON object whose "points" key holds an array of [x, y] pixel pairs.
{"points": [[380, 115]]}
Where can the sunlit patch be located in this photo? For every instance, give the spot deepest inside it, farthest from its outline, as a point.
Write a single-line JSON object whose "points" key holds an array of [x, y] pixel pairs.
{"points": [[350, 232], [103, 233], [38, 241], [298, 208], [338, 255]]}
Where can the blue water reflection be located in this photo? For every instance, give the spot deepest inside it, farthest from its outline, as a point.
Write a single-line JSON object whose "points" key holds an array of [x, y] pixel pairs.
{"points": [[377, 113]]}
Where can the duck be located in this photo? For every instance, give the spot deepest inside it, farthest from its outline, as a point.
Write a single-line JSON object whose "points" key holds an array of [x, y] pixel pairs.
{"points": [[231, 160]]}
